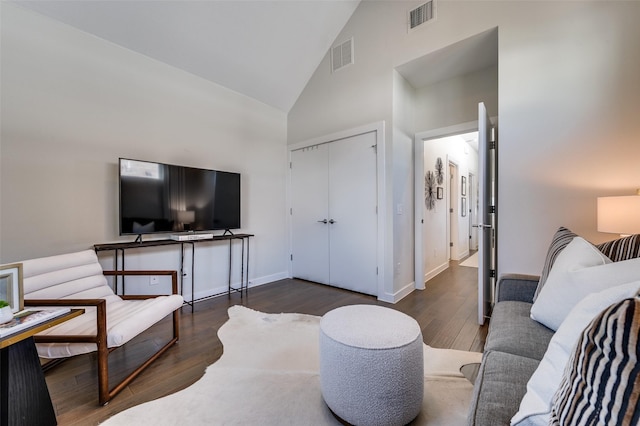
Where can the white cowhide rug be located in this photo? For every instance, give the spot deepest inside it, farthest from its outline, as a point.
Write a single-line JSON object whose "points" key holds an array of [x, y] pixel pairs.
{"points": [[269, 375]]}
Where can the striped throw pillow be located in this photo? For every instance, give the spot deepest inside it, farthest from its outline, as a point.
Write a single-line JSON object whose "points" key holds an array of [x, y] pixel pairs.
{"points": [[601, 382], [560, 240], [621, 249]]}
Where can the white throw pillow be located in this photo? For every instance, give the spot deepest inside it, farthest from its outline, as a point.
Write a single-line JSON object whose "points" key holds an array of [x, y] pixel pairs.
{"points": [[535, 407], [579, 270]]}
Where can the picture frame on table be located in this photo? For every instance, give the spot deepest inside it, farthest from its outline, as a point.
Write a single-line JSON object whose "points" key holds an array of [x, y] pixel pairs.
{"points": [[463, 186], [11, 289]]}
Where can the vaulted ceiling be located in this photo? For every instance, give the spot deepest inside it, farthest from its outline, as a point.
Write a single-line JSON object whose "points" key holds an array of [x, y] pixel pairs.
{"points": [[266, 50]]}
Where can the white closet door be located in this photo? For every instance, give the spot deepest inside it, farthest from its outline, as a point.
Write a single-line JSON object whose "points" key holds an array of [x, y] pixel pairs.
{"points": [[310, 213], [336, 182], [352, 211]]}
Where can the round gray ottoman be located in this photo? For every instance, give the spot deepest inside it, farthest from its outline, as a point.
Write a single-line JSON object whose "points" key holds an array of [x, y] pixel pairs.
{"points": [[371, 365]]}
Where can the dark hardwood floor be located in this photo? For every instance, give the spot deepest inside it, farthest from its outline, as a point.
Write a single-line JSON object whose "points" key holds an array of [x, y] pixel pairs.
{"points": [[446, 310]]}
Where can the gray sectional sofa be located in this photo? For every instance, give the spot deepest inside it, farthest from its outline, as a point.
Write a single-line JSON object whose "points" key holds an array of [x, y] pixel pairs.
{"points": [[516, 344], [513, 349]]}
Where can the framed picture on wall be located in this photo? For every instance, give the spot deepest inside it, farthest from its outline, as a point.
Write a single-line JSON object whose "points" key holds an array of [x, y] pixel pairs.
{"points": [[463, 188], [440, 194], [11, 286], [464, 207]]}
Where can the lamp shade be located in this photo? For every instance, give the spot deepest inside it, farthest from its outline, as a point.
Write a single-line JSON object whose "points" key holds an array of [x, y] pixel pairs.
{"points": [[619, 215]]}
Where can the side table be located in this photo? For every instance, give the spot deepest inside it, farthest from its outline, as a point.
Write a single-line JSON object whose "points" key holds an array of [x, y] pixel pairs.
{"points": [[24, 396]]}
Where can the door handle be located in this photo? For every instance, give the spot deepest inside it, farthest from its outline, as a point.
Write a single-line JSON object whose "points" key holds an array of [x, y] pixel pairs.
{"points": [[323, 221], [481, 226], [332, 221]]}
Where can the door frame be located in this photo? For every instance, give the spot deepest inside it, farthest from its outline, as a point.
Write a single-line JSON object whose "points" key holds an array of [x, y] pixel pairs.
{"points": [[453, 205], [473, 215], [418, 149], [381, 258]]}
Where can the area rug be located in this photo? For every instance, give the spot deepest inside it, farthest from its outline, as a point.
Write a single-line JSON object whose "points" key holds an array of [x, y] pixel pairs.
{"points": [[269, 375], [472, 261]]}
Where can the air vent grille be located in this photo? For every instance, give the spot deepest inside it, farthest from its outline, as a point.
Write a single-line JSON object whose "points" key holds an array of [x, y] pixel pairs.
{"points": [[421, 14], [342, 55]]}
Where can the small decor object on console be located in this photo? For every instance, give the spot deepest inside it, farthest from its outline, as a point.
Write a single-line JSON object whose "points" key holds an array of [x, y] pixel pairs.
{"points": [[191, 236]]}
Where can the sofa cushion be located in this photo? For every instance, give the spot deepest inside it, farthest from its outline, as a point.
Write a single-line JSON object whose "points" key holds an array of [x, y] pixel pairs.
{"points": [[580, 270], [601, 384], [511, 330], [499, 387], [66, 276], [125, 320], [536, 404]]}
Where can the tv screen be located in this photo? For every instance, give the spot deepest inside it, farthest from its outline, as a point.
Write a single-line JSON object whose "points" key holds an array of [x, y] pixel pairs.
{"points": [[156, 197]]}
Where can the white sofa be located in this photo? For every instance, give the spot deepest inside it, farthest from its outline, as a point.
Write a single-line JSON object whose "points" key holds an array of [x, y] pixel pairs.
{"points": [[77, 280]]}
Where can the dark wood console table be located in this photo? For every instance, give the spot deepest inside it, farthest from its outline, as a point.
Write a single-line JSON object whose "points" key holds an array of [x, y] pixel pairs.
{"points": [[120, 248], [24, 396]]}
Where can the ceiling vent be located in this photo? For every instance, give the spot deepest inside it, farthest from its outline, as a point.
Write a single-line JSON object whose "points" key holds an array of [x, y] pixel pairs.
{"points": [[342, 55], [422, 14]]}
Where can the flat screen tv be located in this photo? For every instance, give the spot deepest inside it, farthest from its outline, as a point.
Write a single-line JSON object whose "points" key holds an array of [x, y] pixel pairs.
{"points": [[160, 198]]}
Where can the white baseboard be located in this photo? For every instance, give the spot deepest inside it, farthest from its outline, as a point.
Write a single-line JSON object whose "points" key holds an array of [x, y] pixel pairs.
{"points": [[221, 290], [398, 295], [435, 271]]}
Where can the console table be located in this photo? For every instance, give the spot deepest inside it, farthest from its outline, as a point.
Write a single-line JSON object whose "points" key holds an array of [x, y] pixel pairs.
{"points": [[119, 250], [24, 396]]}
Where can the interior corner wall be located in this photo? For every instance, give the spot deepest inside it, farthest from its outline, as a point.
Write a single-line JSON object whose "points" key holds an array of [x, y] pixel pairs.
{"points": [[72, 104], [403, 171], [568, 104]]}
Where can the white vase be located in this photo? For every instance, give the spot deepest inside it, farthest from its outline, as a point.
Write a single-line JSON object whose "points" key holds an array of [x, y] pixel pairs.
{"points": [[5, 314]]}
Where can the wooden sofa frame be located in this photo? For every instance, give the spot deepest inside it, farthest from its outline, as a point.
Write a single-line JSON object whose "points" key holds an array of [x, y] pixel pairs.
{"points": [[100, 339]]}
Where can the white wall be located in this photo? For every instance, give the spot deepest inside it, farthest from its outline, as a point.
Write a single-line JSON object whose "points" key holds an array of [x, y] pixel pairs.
{"points": [[568, 104], [455, 100], [73, 103], [403, 232]]}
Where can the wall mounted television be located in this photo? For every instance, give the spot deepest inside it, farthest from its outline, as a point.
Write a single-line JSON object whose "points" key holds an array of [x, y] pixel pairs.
{"points": [[165, 198]]}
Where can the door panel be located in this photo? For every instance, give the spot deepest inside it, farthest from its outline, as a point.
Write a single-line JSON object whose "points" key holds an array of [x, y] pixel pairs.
{"points": [[310, 206], [352, 208], [336, 182], [486, 218]]}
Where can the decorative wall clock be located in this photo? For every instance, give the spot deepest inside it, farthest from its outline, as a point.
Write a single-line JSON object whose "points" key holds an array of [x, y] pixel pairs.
{"points": [[439, 171], [429, 190]]}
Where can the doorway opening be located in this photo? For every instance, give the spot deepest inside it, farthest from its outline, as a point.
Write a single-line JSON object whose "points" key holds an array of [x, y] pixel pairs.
{"points": [[445, 230]]}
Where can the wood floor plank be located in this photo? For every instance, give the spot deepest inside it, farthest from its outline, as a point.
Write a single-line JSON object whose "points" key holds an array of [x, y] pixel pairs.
{"points": [[446, 311]]}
